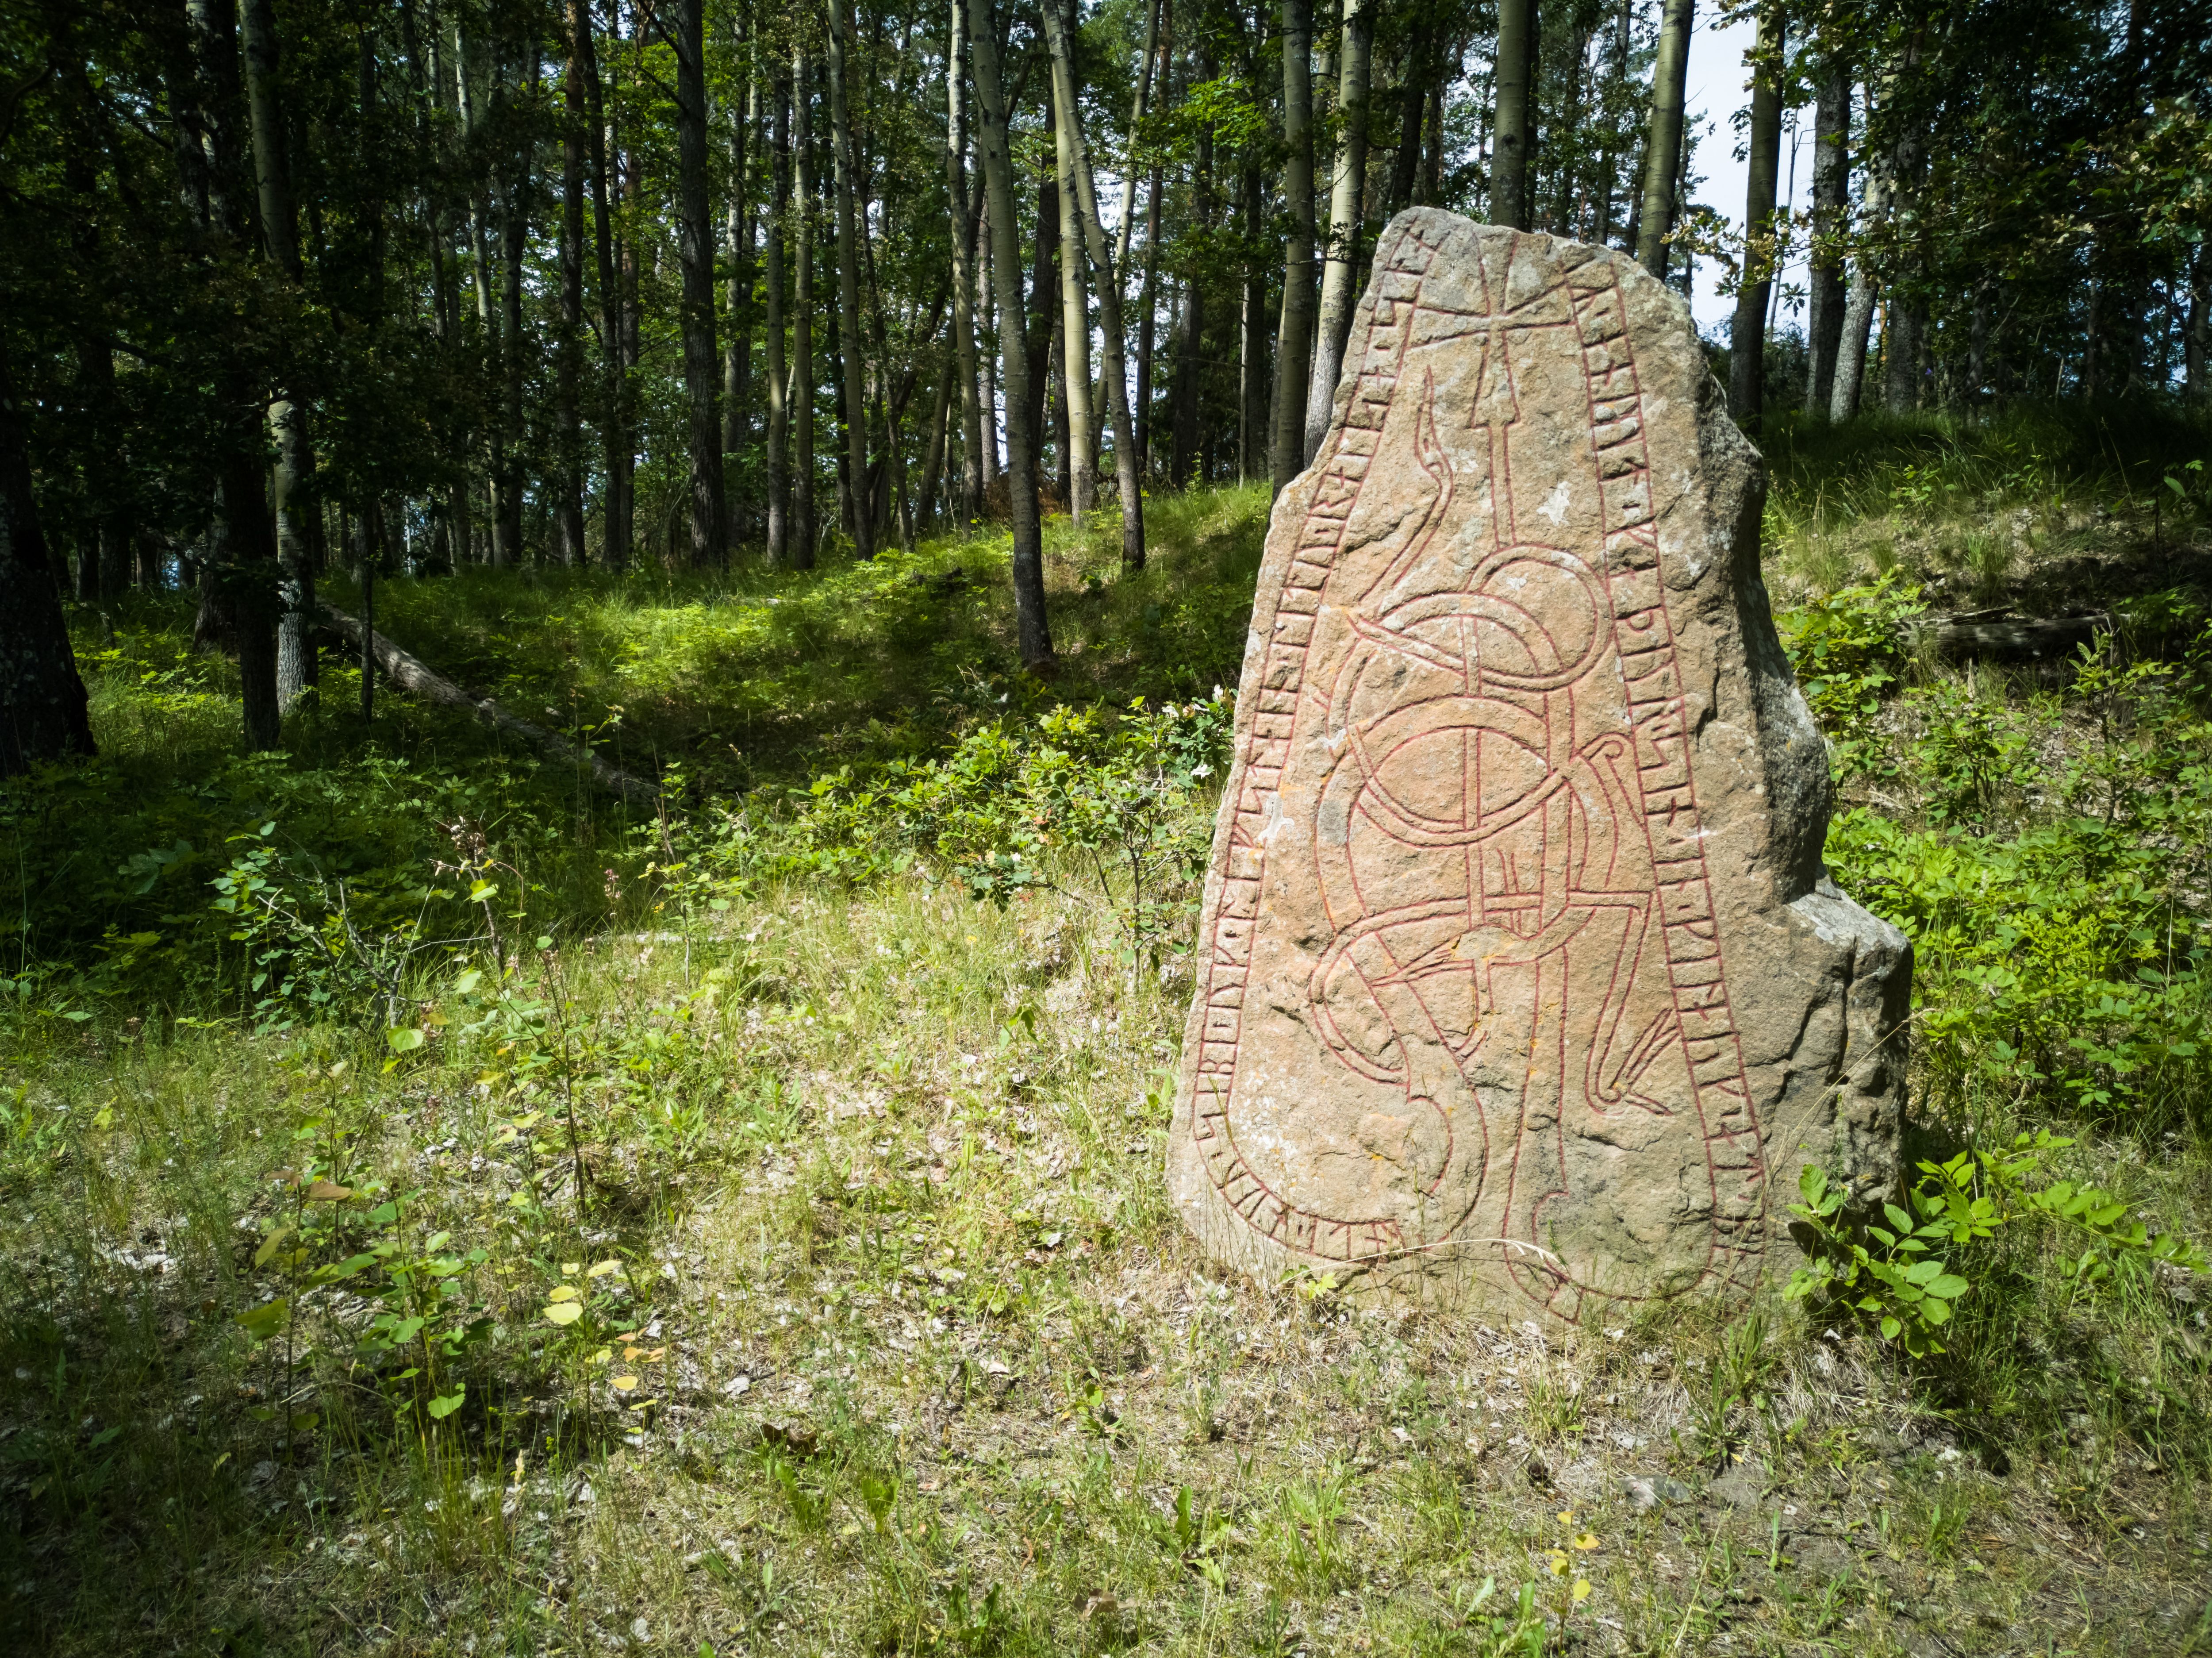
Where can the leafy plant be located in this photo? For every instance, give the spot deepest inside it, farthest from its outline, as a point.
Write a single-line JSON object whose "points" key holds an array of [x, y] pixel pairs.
{"points": [[1851, 651], [1890, 1271]]}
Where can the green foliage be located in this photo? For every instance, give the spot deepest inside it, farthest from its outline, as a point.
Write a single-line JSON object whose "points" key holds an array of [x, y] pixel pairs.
{"points": [[1117, 804], [1889, 1270], [1852, 651]]}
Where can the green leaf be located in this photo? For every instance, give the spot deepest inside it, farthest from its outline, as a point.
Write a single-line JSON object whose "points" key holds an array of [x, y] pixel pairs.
{"points": [[405, 1040], [1890, 1327], [446, 1404], [1950, 1287], [272, 1245], [265, 1320]]}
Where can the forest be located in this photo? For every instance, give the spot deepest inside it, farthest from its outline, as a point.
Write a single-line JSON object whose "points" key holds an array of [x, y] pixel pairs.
{"points": [[619, 627]]}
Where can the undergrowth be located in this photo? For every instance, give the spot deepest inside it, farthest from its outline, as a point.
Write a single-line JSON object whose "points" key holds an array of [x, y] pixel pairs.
{"points": [[438, 1207]]}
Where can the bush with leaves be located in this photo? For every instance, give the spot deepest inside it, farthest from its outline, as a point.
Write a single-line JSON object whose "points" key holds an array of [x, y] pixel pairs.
{"points": [[1114, 804], [1906, 1272], [1850, 650]]}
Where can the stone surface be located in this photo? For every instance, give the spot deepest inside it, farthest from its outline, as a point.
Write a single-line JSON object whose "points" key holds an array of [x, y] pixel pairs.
{"points": [[1520, 981]]}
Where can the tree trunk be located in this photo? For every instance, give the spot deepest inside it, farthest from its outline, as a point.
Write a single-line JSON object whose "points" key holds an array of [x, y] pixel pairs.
{"points": [[410, 673], [1851, 349], [1148, 308], [1906, 319], [1294, 337], [1609, 161], [1858, 305], [238, 596], [1032, 630], [1902, 336], [987, 356], [1124, 237], [108, 480], [42, 699], [1413, 101], [1346, 202], [1252, 342], [1747, 340], [1429, 189], [272, 174], [933, 462], [475, 122], [971, 503], [1184, 387], [779, 388], [614, 414], [292, 484], [1076, 462], [695, 253], [514, 224], [842, 163], [567, 480], [1056, 413], [738, 347], [1513, 125], [1662, 155], [1832, 173], [1042, 332], [1092, 238], [2197, 327], [802, 314], [294, 478]]}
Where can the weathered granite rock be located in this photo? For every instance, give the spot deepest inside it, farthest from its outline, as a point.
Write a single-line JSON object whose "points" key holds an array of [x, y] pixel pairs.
{"points": [[1521, 983]]}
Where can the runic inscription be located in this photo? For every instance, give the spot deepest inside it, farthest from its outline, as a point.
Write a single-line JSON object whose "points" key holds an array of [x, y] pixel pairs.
{"points": [[1464, 999]]}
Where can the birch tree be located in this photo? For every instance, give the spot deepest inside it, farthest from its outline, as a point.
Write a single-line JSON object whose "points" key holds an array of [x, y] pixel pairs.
{"points": [[1662, 155], [849, 338], [1294, 337], [1033, 633], [1747, 336], [1075, 164], [1347, 195]]}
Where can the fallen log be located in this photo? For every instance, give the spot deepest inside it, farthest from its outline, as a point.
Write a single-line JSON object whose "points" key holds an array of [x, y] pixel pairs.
{"points": [[1984, 633], [412, 674]]}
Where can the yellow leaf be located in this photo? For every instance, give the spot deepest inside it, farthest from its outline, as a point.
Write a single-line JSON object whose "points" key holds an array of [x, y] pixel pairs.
{"points": [[566, 1292], [603, 1355], [564, 1312], [600, 1269], [1580, 1591], [275, 1241], [625, 1383], [1587, 1541], [1558, 1564], [1566, 1516], [570, 1269], [629, 1352]]}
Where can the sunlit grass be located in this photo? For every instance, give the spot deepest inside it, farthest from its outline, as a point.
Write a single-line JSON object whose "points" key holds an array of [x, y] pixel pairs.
{"points": [[884, 1167]]}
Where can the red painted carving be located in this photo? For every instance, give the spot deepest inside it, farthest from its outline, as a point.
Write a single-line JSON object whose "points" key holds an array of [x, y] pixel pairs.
{"points": [[1470, 743]]}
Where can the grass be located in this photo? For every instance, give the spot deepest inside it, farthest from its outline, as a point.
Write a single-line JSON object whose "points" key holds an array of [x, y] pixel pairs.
{"points": [[888, 1340]]}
